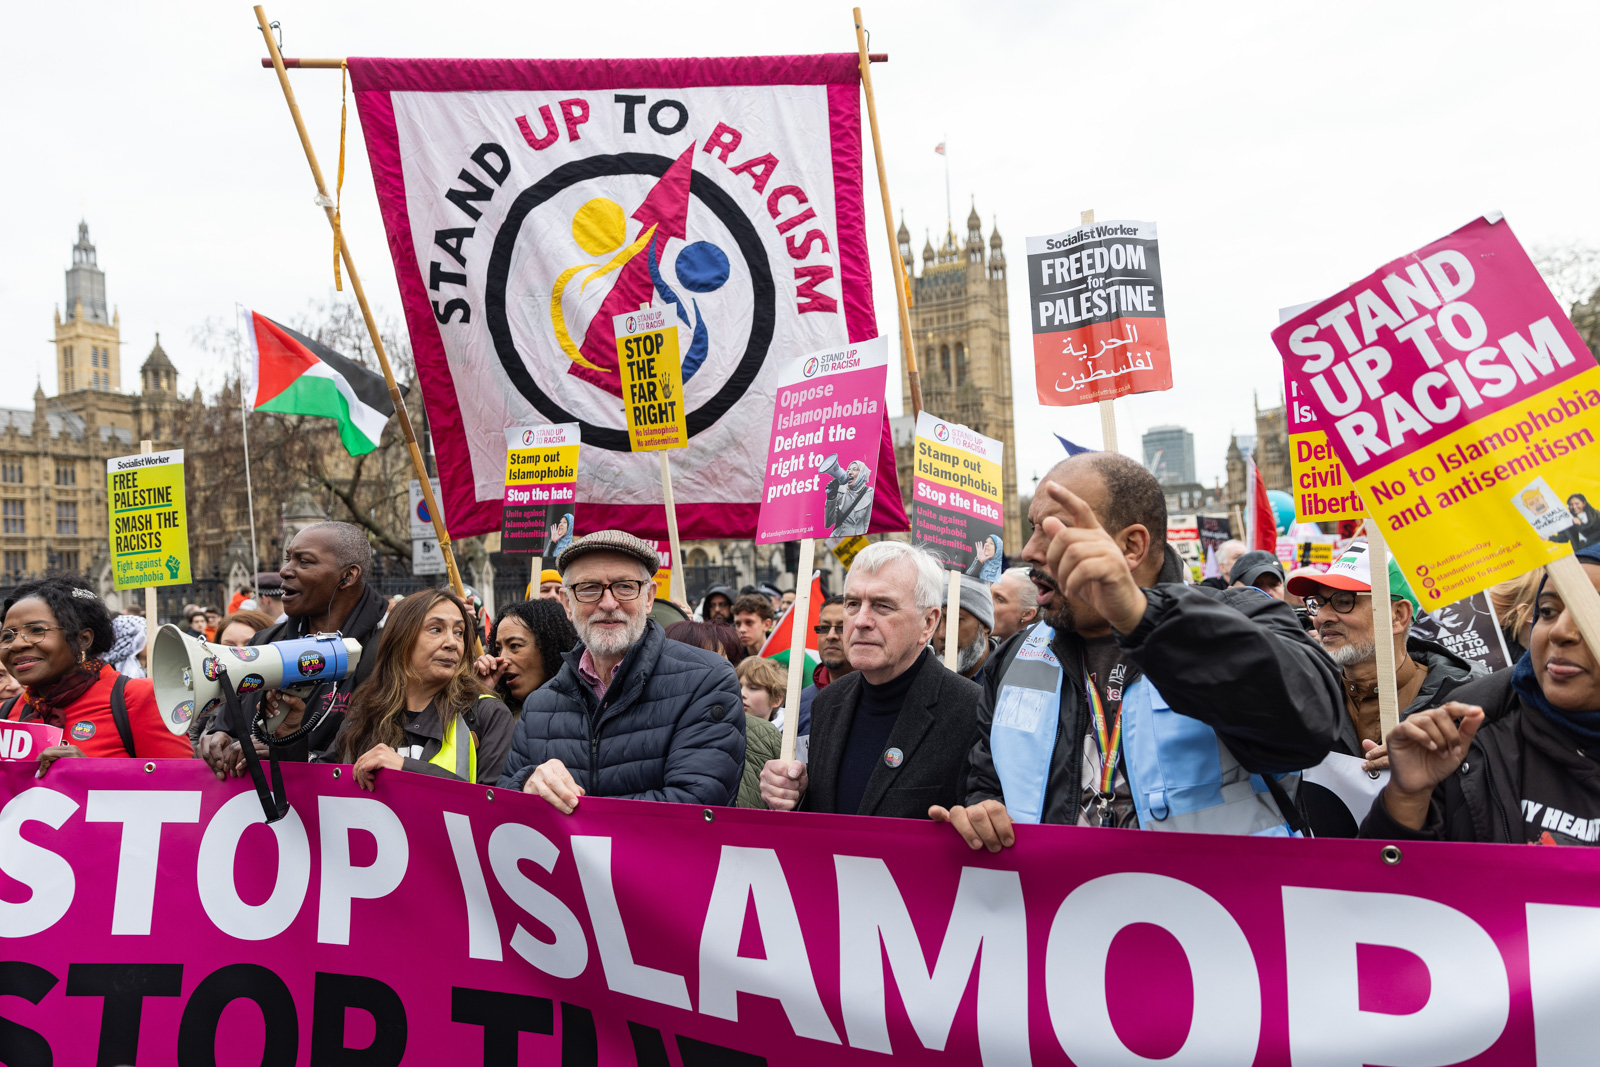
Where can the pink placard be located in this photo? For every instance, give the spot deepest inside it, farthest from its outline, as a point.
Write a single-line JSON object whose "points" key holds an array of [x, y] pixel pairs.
{"points": [[434, 920], [25, 740], [822, 455]]}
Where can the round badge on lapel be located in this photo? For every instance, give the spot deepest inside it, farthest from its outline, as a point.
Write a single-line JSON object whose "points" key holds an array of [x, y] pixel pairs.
{"points": [[894, 757]]}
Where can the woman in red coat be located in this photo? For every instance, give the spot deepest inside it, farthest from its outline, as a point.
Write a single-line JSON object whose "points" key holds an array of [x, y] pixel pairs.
{"points": [[53, 636]]}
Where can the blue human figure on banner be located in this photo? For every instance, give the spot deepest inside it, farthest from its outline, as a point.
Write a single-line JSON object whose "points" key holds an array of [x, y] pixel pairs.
{"points": [[702, 268]]}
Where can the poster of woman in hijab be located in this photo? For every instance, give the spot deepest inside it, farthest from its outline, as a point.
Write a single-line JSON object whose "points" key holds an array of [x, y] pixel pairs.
{"points": [[988, 559], [849, 499], [558, 521]]}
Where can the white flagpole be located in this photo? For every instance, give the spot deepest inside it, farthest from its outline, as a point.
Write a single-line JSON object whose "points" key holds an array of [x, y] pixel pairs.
{"points": [[244, 428]]}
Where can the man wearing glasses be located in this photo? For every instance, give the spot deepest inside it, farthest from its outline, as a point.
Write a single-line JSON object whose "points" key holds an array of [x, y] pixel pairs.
{"points": [[830, 650], [630, 714], [1339, 603]]}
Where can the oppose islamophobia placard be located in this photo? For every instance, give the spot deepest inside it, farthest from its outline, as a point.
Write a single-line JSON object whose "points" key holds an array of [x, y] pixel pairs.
{"points": [[739, 937], [529, 203], [1099, 320], [1463, 403], [956, 497], [541, 475], [823, 450], [147, 520]]}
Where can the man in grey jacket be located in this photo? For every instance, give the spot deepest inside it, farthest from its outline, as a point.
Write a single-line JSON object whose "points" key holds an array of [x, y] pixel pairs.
{"points": [[630, 714]]}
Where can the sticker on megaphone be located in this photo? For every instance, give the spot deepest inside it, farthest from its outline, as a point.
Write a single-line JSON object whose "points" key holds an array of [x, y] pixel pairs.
{"points": [[187, 672]]}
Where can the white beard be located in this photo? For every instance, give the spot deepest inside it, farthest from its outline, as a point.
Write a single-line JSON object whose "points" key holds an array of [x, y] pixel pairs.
{"points": [[968, 657], [1350, 653], [609, 642]]}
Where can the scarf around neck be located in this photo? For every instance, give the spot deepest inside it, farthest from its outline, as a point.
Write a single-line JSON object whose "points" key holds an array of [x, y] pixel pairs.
{"points": [[1582, 725], [49, 703]]}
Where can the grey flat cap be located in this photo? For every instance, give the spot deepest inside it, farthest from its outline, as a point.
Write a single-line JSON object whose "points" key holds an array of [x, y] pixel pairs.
{"points": [[609, 541]]}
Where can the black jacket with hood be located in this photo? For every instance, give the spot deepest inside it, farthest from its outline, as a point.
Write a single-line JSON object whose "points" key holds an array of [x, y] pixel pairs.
{"points": [[1238, 661]]}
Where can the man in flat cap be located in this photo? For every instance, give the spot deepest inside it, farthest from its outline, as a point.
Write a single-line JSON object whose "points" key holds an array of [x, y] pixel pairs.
{"points": [[630, 714]]}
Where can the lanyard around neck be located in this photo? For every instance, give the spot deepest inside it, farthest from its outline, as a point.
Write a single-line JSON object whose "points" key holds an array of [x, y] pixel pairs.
{"points": [[1107, 734]]}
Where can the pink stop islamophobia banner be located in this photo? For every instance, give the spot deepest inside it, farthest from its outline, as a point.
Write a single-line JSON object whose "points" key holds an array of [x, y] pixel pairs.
{"points": [[529, 202], [149, 916], [822, 455]]}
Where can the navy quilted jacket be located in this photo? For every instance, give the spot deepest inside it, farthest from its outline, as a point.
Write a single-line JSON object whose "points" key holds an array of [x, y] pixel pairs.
{"points": [[670, 727]]}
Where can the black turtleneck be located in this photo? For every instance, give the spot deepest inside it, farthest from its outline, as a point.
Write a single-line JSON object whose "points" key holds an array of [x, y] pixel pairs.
{"points": [[869, 733]]}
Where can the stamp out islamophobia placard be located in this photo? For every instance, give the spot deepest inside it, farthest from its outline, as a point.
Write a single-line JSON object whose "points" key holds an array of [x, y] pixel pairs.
{"points": [[148, 520], [1099, 320], [822, 454], [530, 202], [1463, 403], [956, 497], [541, 489]]}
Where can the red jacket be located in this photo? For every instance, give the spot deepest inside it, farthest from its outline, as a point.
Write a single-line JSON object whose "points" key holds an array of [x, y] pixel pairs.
{"points": [[90, 727]]}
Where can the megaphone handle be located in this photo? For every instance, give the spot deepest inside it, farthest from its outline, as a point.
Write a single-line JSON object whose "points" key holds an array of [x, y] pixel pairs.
{"points": [[274, 803]]}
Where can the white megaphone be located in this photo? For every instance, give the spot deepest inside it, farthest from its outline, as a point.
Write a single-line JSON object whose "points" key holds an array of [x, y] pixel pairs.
{"points": [[832, 468], [185, 670]]}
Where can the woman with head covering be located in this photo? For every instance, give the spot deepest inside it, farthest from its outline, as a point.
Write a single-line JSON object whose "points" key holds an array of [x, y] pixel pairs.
{"points": [[525, 649], [1515, 757], [130, 634], [560, 537], [987, 559], [422, 709], [54, 639]]}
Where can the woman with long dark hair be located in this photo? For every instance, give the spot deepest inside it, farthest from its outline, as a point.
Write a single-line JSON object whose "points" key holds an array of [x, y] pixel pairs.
{"points": [[525, 649], [54, 639], [422, 708]]}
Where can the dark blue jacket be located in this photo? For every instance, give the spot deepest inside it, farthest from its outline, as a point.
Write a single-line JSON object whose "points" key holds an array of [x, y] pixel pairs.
{"points": [[671, 726]]}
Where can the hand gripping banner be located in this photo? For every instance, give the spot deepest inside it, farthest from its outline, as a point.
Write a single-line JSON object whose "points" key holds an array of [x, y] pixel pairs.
{"points": [[148, 916], [529, 203]]}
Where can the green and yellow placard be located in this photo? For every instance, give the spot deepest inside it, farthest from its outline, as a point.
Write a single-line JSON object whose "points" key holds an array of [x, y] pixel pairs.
{"points": [[652, 380], [147, 520]]}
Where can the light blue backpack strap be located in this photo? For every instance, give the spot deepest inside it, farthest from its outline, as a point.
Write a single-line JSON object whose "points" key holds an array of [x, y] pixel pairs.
{"points": [[1141, 752], [1022, 735]]}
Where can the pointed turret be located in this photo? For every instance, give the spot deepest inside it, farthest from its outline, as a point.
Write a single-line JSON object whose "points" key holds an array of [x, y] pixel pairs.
{"points": [[158, 375]]}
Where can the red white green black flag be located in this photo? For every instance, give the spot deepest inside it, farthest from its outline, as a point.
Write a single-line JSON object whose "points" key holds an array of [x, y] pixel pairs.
{"points": [[291, 374]]}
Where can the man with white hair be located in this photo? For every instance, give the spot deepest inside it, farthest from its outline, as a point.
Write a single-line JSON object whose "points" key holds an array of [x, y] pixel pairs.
{"points": [[1226, 556], [891, 737], [1016, 602], [630, 714]]}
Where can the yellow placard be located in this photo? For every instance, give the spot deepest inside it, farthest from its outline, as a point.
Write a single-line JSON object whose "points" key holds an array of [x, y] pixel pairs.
{"points": [[652, 380], [847, 550], [1489, 502], [147, 520], [1323, 491]]}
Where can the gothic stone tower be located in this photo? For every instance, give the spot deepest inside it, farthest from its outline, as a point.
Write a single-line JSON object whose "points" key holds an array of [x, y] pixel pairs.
{"points": [[88, 340], [963, 342]]}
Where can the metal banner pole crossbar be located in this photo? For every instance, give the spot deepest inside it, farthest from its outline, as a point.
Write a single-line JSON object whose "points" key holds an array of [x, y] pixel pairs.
{"points": [[326, 203]]}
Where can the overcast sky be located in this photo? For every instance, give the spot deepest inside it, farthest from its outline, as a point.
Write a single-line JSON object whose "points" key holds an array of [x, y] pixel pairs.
{"points": [[1283, 149]]}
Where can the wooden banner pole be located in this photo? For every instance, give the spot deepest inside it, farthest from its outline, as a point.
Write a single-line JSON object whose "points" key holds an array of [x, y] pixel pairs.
{"points": [[535, 568], [440, 534], [1108, 408], [675, 575], [952, 621], [150, 624], [1580, 596], [800, 613], [913, 377], [1382, 624]]}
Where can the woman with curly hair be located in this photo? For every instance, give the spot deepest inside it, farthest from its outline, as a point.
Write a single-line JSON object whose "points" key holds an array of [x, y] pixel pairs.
{"points": [[422, 709], [525, 649], [54, 639]]}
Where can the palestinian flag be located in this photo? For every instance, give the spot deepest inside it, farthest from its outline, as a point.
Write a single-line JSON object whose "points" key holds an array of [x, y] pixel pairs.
{"points": [[291, 374], [777, 646]]}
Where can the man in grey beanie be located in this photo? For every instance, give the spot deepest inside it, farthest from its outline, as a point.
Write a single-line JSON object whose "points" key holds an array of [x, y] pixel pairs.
{"points": [[972, 633]]}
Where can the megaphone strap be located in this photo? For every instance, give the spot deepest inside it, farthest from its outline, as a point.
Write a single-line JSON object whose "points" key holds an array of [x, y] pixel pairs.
{"points": [[274, 801]]}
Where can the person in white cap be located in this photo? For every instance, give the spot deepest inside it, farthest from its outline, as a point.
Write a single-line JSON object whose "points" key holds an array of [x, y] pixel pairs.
{"points": [[1340, 603]]}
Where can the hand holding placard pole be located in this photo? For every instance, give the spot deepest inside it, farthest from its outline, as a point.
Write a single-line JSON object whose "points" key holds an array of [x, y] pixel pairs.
{"points": [[800, 614], [1382, 627]]}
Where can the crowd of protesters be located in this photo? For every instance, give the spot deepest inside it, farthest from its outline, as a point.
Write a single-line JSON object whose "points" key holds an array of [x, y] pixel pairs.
{"points": [[1094, 685]]}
